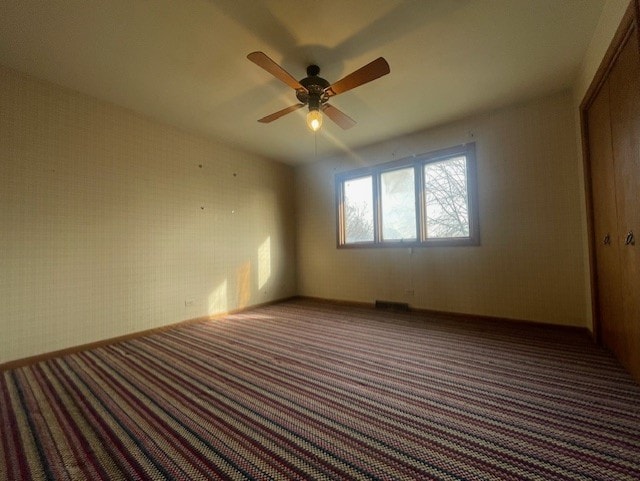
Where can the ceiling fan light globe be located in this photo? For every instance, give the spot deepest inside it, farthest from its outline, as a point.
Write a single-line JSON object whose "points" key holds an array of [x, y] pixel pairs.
{"points": [[314, 120]]}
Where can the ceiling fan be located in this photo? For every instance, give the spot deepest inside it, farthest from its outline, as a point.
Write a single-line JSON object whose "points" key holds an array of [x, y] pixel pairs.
{"points": [[315, 91]]}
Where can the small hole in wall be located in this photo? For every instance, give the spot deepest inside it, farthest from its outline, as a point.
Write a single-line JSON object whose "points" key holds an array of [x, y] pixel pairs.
{"points": [[235, 175], [200, 165]]}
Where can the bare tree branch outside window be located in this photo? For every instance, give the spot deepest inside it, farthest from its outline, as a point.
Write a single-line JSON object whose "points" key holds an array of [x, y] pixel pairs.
{"points": [[358, 209], [447, 206]]}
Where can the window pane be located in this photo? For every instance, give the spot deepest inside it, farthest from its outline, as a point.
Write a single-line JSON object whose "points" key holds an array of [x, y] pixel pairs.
{"points": [[358, 210], [446, 200], [398, 204]]}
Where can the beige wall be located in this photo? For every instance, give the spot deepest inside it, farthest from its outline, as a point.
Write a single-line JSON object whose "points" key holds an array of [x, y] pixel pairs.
{"points": [[530, 264], [109, 224]]}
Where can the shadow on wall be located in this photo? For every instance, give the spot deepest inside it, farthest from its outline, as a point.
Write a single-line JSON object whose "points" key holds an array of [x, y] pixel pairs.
{"points": [[220, 299]]}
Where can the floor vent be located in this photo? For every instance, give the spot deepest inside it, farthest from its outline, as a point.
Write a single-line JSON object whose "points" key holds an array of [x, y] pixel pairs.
{"points": [[392, 306]]}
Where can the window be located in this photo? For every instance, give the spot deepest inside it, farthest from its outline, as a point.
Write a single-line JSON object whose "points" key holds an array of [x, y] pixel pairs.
{"points": [[446, 199], [358, 208], [422, 201], [397, 196]]}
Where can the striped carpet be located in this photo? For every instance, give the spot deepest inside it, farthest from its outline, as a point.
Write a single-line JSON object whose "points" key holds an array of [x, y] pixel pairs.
{"points": [[304, 390]]}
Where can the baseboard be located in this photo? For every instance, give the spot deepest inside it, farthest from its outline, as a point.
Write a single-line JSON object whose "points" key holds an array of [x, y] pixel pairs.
{"points": [[457, 316], [338, 302], [105, 342]]}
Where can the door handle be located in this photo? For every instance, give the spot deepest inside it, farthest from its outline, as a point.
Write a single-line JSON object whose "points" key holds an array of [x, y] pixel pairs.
{"points": [[629, 240], [607, 240]]}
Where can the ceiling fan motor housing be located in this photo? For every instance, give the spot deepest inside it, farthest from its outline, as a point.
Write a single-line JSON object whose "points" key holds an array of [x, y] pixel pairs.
{"points": [[315, 87]]}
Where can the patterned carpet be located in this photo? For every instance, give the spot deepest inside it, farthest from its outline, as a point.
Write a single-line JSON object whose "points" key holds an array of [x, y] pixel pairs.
{"points": [[304, 390]]}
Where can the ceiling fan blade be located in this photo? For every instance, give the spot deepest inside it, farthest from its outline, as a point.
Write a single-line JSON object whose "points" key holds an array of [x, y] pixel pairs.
{"points": [[280, 113], [261, 60], [338, 116], [369, 72]]}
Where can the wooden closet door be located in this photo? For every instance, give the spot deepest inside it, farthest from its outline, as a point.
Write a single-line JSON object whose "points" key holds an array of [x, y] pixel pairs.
{"points": [[605, 224], [624, 101]]}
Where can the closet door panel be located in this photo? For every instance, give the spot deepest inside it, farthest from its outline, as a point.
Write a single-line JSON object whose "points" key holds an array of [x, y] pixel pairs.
{"points": [[624, 101], [605, 225]]}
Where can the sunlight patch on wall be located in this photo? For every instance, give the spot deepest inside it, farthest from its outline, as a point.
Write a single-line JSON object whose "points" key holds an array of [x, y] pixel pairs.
{"points": [[264, 262], [244, 284], [218, 299]]}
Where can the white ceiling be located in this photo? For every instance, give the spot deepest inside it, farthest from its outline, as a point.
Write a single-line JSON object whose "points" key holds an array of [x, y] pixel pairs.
{"points": [[184, 61]]}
